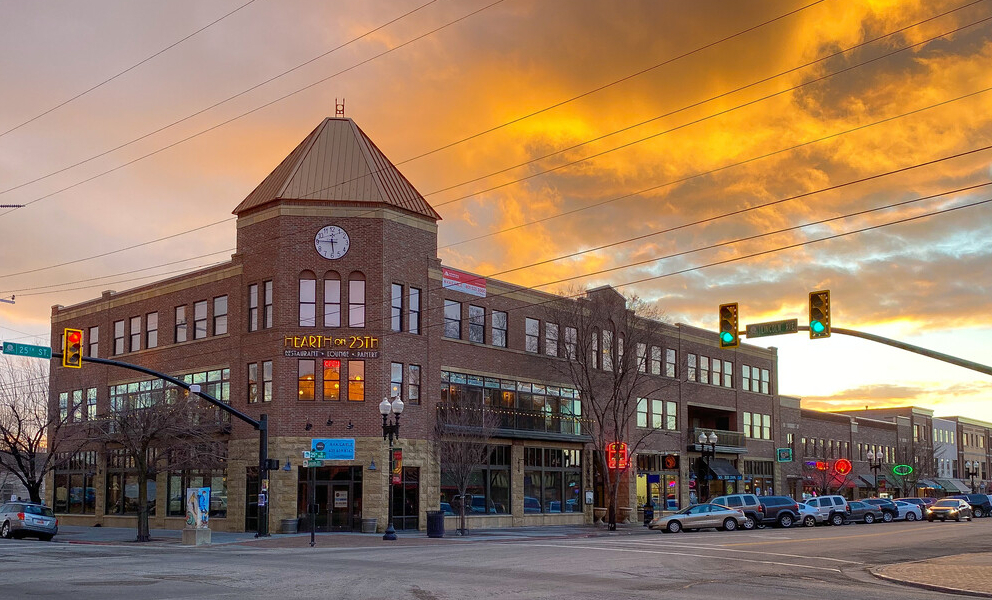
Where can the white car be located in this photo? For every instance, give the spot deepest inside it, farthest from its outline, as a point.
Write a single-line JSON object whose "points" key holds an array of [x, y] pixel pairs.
{"points": [[808, 516], [908, 511]]}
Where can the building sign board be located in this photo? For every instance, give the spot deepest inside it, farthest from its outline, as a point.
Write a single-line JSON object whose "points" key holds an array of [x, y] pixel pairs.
{"points": [[325, 346], [332, 449], [463, 282]]}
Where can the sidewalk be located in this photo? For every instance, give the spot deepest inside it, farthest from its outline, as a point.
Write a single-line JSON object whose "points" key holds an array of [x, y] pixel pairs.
{"points": [[960, 574]]}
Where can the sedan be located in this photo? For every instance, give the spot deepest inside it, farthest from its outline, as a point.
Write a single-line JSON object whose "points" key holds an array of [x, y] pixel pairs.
{"points": [[808, 516], [949, 508], [18, 519], [700, 516], [863, 512], [908, 511]]}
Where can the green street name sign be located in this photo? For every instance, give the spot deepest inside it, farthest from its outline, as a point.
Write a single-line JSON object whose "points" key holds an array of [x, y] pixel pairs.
{"points": [[773, 328], [27, 350], [313, 463]]}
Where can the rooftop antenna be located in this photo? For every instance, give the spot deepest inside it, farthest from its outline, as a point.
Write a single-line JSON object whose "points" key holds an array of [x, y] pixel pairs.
{"points": [[338, 108]]}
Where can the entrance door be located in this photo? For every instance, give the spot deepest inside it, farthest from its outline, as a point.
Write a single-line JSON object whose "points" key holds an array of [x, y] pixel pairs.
{"points": [[322, 500], [340, 507]]}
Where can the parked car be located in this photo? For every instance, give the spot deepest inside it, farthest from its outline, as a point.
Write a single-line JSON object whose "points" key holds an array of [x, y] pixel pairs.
{"points": [[446, 509], [531, 505], [862, 512], [779, 510], [808, 516], [980, 505], [949, 508], [923, 503], [908, 511], [830, 509], [701, 516], [749, 505], [889, 509], [20, 519]]}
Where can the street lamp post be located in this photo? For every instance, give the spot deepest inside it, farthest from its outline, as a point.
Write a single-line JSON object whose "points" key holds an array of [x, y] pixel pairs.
{"points": [[390, 431], [971, 471], [875, 464], [708, 445]]}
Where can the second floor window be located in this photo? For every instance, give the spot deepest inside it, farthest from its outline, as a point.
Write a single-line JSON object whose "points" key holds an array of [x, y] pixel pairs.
{"points": [[267, 381], [200, 320], [332, 300], [413, 384], [452, 319], [356, 301], [94, 341], [499, 328], [305, 385], [253, 307], [220, 315], [151, 330], [332, 379], [252, 383], [308, 302], [395, 380], [267, 307], [396, 308], [356, 380], [180, 324], [118, 337], [532, 334], [414, 325], [476, 324], [551, 339], [135, 334], [571, 338]]}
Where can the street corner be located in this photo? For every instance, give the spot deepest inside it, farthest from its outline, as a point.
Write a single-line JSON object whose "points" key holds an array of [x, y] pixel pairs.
{"points": [[958, 574]]}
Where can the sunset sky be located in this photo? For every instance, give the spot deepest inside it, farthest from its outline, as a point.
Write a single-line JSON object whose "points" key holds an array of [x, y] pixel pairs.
{"points": [[539, 130]]}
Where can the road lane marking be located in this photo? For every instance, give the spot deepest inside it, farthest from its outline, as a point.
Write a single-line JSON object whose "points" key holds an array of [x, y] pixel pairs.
{"points": [[816, 539], [636, 551], [684, 545]]}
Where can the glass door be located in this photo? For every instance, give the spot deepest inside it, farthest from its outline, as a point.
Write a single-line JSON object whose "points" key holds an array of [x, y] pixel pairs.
{"points": [[322, 500], [340, 506]]}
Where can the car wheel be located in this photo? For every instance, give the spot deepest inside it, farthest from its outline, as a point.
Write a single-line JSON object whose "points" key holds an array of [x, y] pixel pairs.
{"points": [[729, 524], [979, 513], [869, 518], [958, 518], [809, 521], [5, 531], [910, 516], [45, 537], [748, 524], [930, 519], [785, 521], [674, 527], [836, 519], [887, 517]]}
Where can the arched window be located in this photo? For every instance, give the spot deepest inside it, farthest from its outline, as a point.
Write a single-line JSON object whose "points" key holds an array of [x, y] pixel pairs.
{"points": [[308, 299], [332, 299], [356, 300]]}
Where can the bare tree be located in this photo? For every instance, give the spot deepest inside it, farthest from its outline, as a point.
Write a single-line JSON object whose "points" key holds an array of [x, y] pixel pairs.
{"points": [[920, 457], [33, 439], [823, 477], [606, 337], [463, 442], [159, 431]]}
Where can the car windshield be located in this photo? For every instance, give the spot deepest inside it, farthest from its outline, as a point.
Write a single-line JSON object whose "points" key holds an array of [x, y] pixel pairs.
{"points": [[947, 503], [39, 510]]}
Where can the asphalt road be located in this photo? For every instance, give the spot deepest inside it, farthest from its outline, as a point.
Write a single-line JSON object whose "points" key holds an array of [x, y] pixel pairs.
{"points": [[821, 562]]}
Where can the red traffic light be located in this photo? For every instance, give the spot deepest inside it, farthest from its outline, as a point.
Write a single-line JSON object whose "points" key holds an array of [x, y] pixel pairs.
{"points": [[75, 336], [72, 353]]}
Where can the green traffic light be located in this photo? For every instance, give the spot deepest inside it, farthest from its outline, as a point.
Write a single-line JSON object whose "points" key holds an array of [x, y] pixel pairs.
{"points": [[817, 326], [726, 337]]}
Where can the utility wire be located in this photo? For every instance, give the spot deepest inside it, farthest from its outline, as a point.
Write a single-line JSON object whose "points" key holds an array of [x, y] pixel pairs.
{"points": [[109, 79]]}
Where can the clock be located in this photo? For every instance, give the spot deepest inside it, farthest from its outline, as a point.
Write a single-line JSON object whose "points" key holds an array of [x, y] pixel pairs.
{"points": [[332, 242]]}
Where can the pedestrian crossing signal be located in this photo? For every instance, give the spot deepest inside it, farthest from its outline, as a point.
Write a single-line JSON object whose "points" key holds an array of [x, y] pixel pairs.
{"points": [[72, 351]]}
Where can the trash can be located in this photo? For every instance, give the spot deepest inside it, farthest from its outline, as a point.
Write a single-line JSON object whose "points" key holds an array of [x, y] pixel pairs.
{"points": [[648, 514], [288, 525], [435, 523], [368, 525]]}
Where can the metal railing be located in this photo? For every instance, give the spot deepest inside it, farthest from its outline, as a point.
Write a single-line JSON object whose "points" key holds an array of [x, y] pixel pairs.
{"points": [[733, 439], [513, 419]]}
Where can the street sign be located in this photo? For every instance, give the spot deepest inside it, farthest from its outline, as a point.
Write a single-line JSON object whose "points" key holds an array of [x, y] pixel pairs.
{"points": [[772, 328], [313, 463], [27, 350]]}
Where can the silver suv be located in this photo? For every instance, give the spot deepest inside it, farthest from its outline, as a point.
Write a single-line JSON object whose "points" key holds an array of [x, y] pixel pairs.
{"points": [[19, 519], [830, 509], [754, 513]]}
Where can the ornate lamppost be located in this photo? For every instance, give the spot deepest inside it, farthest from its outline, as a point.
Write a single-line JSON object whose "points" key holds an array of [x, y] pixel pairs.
{"points": [[390, 431], [708, 450], [971, 471], [875, 464]]}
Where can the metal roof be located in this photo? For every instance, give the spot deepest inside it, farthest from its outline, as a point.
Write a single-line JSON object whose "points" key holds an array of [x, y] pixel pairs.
{"points": [[337, 162]]}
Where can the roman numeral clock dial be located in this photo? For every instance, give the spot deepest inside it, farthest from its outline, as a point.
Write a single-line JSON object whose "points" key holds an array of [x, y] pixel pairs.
{"points": [[332, 242]]}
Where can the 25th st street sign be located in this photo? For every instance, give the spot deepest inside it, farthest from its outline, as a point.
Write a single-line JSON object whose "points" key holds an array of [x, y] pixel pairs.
{"points": [[773, 328], [27, 350]]}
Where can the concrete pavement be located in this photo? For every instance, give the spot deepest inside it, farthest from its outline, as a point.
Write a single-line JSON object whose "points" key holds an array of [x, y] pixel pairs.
{"points": [[959, 574]]}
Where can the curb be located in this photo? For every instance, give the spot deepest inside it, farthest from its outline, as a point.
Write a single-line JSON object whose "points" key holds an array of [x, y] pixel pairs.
{"points": [[928, 586]]}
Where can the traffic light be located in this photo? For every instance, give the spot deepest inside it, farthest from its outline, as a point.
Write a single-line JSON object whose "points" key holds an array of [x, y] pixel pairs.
{"points": [[729, 333], [72, 352], [819, 314]]}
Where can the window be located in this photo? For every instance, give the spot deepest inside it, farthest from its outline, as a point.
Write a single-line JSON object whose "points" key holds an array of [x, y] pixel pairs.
{"points": [[252, 383], [356, 380], [180, 324], [64, 406], [77, 405], [642, 365], [759, 426], [414, 317], [220, 315], [499, 328], [728, 374], [453, 319], [305, 380], [655, 360], [607, 350], [571, 339], [74, 483], [396, 316], [332, 379], [476, 324], [704, 369], [267, 381], [691, 367], [552, 480], [659, 413], [551, 339], [253, 307], [308, 300], [90, 404], [532, 334], [395, 380], [715, 363], [94, 341], [745, 378], [180, 481], [332, 300], [356, 301], [488, 488], [413, 384], [671, 415], [670, 358], [135, 339], [122, 485], [595, 350], [200, 320], [118, 337], [267, 307], [764, 381], [151, 327], [642, 412]]}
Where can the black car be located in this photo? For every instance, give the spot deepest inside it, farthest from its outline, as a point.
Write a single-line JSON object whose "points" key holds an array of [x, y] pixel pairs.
{"points": [[889, 509], [779, 510], [980, 505]]}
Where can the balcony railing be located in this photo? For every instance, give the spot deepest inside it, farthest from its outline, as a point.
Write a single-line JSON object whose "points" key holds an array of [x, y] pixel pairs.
{"points": [[724, 439], [513, 422]]}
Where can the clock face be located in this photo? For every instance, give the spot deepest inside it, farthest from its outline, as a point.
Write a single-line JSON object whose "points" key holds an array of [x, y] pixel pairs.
{"points": [[332, 242]]}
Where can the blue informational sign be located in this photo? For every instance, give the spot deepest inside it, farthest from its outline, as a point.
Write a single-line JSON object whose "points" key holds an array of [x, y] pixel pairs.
{"points": [[654, 478], [333, 449]]}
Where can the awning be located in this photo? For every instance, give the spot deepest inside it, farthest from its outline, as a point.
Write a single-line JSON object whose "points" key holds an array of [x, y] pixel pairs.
{"points": [[723, 469], [928, 483], [954, 486], [867, 481]]}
